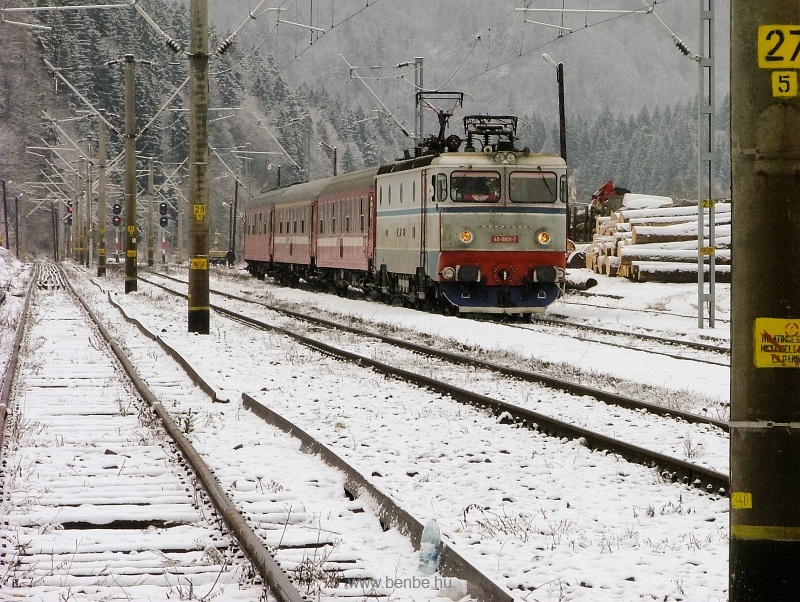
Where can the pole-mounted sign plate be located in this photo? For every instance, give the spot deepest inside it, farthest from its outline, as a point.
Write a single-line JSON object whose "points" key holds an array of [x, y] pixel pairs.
{"points": [[199, 212], [777, 343]]}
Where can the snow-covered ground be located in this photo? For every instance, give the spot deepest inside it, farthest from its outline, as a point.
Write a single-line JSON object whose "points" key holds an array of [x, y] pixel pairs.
{"points": [[568, 522]]}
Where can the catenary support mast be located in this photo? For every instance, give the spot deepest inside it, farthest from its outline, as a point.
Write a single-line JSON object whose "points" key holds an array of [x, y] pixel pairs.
{"points": [[765, 330], [199, 305], [101, 195], [130, 246]]}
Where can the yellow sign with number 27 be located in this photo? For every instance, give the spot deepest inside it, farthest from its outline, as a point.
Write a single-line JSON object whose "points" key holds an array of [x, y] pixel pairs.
{"points": [[779, 49]]}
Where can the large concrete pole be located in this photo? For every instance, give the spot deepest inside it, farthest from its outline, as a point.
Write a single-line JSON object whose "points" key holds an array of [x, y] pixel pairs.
{"points": [[199, 305], [765, 329], [130, 246], [101, 195]]}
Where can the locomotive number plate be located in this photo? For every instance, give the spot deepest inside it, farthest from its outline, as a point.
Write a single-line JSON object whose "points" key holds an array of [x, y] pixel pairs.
{"points": [[505, 239]]}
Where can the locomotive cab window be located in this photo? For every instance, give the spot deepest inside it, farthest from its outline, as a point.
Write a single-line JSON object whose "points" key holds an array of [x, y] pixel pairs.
{"points": [[440, 187], [533, 187], [475, 186]]}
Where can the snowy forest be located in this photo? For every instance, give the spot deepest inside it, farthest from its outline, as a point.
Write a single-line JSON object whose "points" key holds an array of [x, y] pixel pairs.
{"points": [[266, 129]]}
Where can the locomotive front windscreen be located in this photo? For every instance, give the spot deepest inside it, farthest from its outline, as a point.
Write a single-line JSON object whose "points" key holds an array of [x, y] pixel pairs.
{"points": [[533, 187], [475, 186]]}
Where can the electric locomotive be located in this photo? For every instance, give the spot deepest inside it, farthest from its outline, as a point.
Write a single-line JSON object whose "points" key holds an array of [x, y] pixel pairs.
{"points": [[464, 226]]}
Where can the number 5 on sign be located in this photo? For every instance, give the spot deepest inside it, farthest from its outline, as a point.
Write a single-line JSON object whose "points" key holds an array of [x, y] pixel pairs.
{"points": [[784, 83]]}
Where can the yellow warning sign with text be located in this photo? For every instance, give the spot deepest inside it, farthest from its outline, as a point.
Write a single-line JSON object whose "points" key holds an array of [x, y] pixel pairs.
{"points": [[199, 212], [777, 343], [199, 263]]}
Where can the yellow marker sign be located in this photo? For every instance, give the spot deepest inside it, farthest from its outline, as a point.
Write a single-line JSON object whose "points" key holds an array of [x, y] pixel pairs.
{"points": [[131, 254], [707, 203], [199, 263], [776, 343], [784, 84], [199, 212], [741, 500], [706, 251], [131, 230], [779, 46]]}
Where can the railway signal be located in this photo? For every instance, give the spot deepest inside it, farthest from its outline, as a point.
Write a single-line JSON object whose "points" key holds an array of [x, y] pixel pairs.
{"points": [[162, 208], [163, 221], [69, 213], [116, 221]]}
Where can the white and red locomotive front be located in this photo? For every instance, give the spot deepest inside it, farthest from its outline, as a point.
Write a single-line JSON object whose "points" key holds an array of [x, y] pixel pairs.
{"points": [[477, 231]]}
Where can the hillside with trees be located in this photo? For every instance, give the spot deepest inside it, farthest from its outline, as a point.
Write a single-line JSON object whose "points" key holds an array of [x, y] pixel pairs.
{"points": [[271, 117]]}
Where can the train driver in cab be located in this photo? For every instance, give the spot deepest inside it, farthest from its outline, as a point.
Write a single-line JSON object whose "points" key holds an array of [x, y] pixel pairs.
{"points": [[480, 189]]}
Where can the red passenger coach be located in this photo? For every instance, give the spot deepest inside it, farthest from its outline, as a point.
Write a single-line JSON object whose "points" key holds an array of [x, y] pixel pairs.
{"points": [[344, 234]]}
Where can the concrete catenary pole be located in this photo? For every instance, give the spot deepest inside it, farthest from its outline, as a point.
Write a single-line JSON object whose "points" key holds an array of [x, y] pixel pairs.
{"points": [[101, 195], [419, 116], [765, 327], [180, 231], [89, 211], [234, 213], [77, 233], [20, 248], [5, 214], [199, 304], [150, 228], [131, 282]]}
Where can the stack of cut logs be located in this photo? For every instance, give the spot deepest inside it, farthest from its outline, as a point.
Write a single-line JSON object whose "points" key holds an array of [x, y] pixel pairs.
{"points": [[659, 244]]}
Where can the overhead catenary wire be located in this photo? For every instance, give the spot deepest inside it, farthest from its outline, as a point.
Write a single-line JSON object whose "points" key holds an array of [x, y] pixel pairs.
{"points": [[539, 47], [380, 102], [276, 140]]}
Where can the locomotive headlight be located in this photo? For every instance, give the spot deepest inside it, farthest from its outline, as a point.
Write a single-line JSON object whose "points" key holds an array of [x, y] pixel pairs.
{"points": [[465, 236], [505, 158], [543, 237], [448, 273]]}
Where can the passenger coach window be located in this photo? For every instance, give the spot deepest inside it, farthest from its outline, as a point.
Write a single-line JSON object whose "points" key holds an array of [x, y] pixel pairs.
{"points": [[475, 186], [533, 187]]}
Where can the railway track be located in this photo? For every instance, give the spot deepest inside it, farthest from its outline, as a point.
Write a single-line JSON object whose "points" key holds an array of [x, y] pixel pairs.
{"points": [[306, 526], [383, 427], [675, 348], [93, 497], [466, 379], [579, 384]]}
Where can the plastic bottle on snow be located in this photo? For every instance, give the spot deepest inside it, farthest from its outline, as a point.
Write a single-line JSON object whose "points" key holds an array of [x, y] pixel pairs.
{"points": [[429, 546]]}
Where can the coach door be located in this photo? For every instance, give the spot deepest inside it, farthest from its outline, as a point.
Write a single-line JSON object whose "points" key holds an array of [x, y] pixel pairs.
{"points": [[367, 219], [423, 216], [270, 227]]}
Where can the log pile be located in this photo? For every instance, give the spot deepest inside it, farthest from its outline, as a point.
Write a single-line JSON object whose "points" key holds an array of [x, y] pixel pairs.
{"points": [[658, 244]]}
